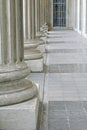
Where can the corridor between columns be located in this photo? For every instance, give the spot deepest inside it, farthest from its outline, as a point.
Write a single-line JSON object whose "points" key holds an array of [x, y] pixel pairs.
{"points": [[65, 86]]}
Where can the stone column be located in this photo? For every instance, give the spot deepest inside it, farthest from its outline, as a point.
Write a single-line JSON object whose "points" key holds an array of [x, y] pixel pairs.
{"points": [[31, 54], [15, 90], [80, 19], [37, 20], [29, 22], [41, 13], [39, 33], [84, 18], [42, 16], [75, 14], [45, 26], [78, 15], [45, 11]]}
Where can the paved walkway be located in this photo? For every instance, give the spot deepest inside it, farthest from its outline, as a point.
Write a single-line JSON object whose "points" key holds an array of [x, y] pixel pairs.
{"points": [[65, 82], [67, 66]]}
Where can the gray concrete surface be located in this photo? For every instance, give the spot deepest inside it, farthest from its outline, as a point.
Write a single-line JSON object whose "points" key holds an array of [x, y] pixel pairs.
{"points": [[65, 94]]}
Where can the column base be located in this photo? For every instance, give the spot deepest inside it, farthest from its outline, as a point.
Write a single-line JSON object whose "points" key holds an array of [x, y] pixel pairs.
{"points": [[40, 41], [23, 116], [45, 26], [34, 42], [44, 30], [40, 34], [44, 38], [28, 45], [34, 59], [14, 88], [17, 92], [32, 54], [42, 48], [35, 65]]}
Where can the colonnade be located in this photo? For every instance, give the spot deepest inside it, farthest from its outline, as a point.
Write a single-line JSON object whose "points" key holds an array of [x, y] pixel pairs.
{"points": [[80, 16], [22, 24]]}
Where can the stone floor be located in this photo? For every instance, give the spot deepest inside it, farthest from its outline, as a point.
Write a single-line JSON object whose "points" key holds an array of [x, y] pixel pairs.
{"points": [[64, 83]]}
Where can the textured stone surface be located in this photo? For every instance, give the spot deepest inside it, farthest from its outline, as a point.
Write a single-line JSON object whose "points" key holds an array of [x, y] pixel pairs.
{"points": [[41, 48], [35, 65], [67, 68], [14, 88], [65, 89], [31, 54], [39, 79], [67, 115], [21, 116]]}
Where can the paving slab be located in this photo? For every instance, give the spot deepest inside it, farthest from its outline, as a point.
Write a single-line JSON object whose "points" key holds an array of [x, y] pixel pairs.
{"points": [[65, 87]]}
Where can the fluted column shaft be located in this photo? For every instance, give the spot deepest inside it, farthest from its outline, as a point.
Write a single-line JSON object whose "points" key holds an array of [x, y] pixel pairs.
{"points": [[45, 21], [11, 45], [39, 20], [43, 3], [43, 25], [31, 24], [41, 12], [86, 16], [37, 10], [13, 87], [29, 19], [78, 14], [39, 15], [32, 4], [45, 11], [26, 20]]}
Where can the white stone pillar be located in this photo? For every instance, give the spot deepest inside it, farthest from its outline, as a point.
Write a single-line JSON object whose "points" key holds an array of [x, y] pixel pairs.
{"points": [[37, 13], [78, 15], [81, 14], [41, 13], [39, 33], [31, 54], [75, 14], [15, 90], [45, 9], [12, 65], [37, 21], [29, 22], [84, 18], [43, 27], [74, 9]]}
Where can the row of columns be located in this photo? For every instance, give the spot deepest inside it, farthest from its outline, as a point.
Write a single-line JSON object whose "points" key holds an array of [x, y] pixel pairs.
{"points": [[22, 24], [80, 16], [14, 88], [31, 42]]}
